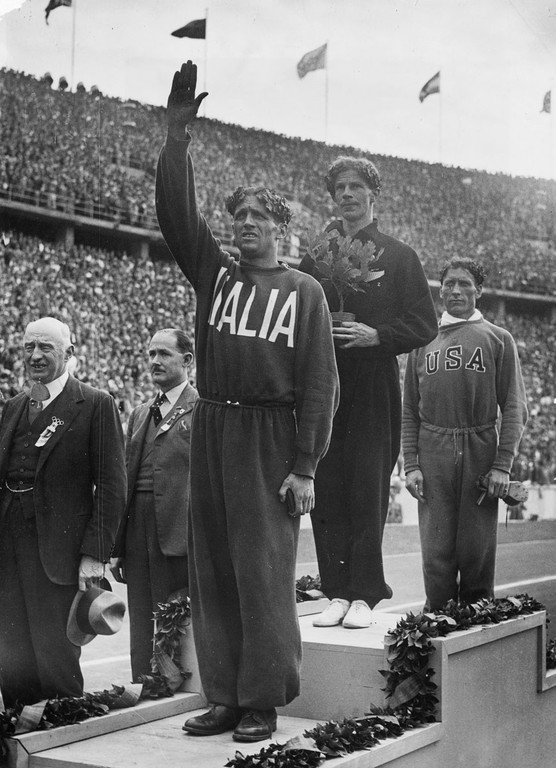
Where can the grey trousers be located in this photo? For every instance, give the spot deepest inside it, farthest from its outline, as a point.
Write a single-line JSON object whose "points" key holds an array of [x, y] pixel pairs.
{"points": [[458, 537]]}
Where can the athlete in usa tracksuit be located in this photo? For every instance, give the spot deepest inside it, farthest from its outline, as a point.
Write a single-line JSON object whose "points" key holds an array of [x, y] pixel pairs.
{"points": [[453, 391], [268, 387]]}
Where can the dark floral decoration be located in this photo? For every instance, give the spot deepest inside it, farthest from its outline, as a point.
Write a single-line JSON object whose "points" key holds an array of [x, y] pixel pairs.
{"points": [[274, 756], [308, 588]]}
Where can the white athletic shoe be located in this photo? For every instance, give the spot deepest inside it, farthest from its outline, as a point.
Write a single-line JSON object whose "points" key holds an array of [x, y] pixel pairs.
{"points": [[332, 614], [359, 616]]}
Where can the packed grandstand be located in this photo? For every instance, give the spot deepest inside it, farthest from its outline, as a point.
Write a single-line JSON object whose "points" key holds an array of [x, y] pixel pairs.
{"points": [[80, 155]]}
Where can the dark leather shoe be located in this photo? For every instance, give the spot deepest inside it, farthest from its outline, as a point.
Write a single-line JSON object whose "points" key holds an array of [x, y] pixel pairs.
{"points": [[218, 719], [256, 725]]}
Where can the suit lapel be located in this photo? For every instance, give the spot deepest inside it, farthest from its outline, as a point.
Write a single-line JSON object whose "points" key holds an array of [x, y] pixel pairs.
{"points": [[142, 420], [12, 414], [185, 401]]}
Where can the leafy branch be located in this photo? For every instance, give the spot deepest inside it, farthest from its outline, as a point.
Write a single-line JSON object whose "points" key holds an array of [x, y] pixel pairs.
{"points": [[343, 262]]}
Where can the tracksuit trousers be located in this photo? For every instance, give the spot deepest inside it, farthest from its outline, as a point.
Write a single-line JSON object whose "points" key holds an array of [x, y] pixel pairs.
{"points": [[352, 483], [242, 554], [458, 537]]}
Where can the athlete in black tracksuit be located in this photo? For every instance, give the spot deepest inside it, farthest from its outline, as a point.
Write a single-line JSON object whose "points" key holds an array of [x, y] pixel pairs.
{"points": [[268, 387], [352, 484]]}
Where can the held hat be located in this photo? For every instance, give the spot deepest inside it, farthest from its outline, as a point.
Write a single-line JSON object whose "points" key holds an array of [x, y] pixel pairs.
{"points": [[97, 611]]}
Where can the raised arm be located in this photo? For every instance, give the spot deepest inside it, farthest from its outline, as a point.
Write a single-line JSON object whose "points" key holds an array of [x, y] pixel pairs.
{"points": [[185, 230]]}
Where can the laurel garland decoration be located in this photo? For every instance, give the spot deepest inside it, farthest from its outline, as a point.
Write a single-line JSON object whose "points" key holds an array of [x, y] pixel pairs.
{"points": [[171, 622], [409, 689], [171, 625], [308, 588]]}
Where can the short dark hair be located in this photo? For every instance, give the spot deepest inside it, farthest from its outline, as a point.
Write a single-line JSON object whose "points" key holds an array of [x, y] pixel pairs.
{"points": [[183, 342], [473, 267], [275, 204], [365, 168]]}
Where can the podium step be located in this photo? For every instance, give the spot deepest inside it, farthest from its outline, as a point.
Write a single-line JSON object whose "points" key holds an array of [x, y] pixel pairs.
{"points": [[340, 672], [160, 743], [492, 683]]}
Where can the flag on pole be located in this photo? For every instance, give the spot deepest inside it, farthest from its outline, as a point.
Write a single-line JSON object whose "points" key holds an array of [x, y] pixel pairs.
{"points": [[547, 102], [431, 86], [312, 60], [196, 29], [52, 5]]}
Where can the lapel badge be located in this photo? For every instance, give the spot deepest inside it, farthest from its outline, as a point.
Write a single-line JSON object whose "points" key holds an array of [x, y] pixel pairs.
{"points": [[175, 415], [47, 433]]}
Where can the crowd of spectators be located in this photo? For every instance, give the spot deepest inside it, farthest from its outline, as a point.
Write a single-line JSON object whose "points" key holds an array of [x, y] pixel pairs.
{"points": [[84, 153], [114, 302]]}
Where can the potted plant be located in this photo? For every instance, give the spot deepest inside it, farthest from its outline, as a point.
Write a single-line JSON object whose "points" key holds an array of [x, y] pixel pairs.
{"points": [[345, 264]]}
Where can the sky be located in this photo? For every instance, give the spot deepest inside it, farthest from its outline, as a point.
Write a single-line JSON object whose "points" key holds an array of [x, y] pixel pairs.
{"points": [[497, 60]]}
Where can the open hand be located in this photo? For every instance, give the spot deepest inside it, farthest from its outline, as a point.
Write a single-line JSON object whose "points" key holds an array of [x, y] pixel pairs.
{"points": [[351, 334], [183, 105]]}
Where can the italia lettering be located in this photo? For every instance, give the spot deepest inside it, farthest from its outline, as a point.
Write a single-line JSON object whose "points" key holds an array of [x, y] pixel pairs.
{"points": [[278, 317], [453, 360], [281, 326], [231, 305]]}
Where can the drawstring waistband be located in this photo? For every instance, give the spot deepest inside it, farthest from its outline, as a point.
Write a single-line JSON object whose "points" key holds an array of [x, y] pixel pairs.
{"points": [[455, 432]]}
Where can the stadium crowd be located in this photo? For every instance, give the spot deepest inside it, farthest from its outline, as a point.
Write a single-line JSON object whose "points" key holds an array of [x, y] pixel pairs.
{"points": [[53, 158], [84, 153], [114, 303]]}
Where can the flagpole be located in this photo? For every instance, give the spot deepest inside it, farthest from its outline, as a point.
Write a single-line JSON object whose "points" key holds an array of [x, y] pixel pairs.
{"points": [[74, 11], [326, 97], [440, 124], [206, 60], [551, 133]]}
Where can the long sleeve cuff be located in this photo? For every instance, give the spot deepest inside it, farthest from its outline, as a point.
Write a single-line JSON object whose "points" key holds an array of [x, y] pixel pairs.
{"points": [[304, 465]]}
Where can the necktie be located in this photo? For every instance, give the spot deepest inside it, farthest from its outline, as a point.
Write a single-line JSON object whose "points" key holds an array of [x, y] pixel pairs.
{"points": [[37, 392], [155, 408], [35, 408]]}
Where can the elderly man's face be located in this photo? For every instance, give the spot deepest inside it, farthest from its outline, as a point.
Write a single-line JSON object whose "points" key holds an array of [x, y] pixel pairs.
{"points": [[353, 197], [45, 354]]}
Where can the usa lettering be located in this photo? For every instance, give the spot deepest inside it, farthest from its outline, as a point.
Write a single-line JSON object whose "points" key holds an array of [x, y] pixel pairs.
{"points": [[453, 360], [270, 321]]}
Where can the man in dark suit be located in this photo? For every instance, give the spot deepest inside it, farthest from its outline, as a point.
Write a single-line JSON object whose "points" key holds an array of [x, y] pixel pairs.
{"points": [[62, 478], [151, 546]]}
